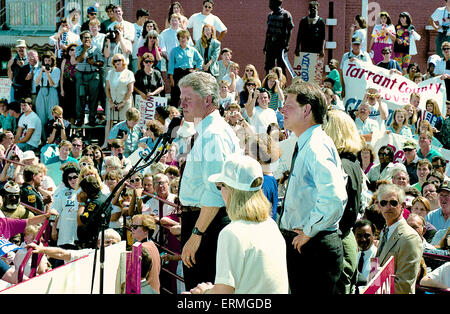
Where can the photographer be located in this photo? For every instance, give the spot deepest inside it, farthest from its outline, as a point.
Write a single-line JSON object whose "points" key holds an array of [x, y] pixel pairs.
{"points": [[18, 69], [129, 131], [115, 43], [87, 77], [47, 80], [58, 130]]}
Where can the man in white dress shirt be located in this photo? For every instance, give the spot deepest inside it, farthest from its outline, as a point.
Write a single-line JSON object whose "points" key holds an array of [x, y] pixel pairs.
{"points": [[203, 209]]}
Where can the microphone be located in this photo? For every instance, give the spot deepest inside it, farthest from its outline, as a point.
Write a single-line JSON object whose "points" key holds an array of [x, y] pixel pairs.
{"points": [[172, 130]]}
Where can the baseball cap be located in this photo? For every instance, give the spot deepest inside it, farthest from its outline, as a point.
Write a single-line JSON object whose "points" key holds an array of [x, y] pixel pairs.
{"points": [[29, 154], [409, 145], [356, 40], [92, 9], [20, 43], [11, 187], [444, 186], [239, 172]]}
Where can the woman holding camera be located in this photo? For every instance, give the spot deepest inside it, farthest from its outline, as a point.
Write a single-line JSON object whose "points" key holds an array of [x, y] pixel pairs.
{"points": [[47, 80]]}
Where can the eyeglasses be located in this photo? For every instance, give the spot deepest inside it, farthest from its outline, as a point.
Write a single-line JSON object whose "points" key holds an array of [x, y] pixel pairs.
{"points": [[393, 203], [134, 227], [207, 6], [89, 155], [251, 84], [437, 166], [86, 37], [76, 145], [219, 186], [446, 48], [117, 60], [135, 180], [152, 37], [386, 53], [148, 61], [84, 164], [93, 13], [160, 183], [72, 177]]}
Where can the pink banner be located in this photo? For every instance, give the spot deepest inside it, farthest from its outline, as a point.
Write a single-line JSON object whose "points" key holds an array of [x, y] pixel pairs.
{"points": [[383, 280]]}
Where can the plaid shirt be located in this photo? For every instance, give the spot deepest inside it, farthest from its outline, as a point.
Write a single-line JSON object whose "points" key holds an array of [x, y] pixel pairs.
{"points": [[279, 24]]}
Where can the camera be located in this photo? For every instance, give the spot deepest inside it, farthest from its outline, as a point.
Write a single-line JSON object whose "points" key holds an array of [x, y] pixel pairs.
{"points": [[111, 35], [47, 67]]}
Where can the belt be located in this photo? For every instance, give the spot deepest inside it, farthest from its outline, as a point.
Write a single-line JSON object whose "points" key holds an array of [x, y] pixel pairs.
{"points": [[87, 72], [186, 209], [288, 233]]}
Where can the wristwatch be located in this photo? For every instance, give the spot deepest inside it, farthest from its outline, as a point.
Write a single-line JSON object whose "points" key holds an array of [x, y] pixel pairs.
{"points": [[197, 232]]}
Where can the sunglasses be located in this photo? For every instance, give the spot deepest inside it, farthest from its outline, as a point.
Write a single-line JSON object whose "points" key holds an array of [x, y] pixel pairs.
{"points": [[207, 6], [117, 60], [437, 166], [160, 183], [251, 84], [84, 164], [393, 203], [135, 180], [152, 37], [446, 48], [372, 95], [148, 61], [76, 145], [72, 49], [134, 227], [72, 177], [386, 53], [219, 186]]}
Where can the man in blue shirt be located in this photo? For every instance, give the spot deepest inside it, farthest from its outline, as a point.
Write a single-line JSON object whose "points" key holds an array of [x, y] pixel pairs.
{"points": [[64, 151], [315, 196], [184, 59], [129, 131], [440, 217], [425, 150]]}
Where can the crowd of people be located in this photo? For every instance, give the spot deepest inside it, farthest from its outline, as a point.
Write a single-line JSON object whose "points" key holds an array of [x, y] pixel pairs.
{"points": [[266, 187]]}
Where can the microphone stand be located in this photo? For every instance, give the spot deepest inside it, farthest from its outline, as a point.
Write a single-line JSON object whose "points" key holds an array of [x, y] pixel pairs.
{"points": [[166, 139]]}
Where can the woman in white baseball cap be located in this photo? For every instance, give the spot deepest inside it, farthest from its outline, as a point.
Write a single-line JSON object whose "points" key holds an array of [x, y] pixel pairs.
{"points": [[251, 252]]}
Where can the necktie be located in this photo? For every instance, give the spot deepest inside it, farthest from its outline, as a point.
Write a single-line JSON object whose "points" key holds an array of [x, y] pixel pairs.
{"points": [[294, 157], [383, 240], [361, 262]]}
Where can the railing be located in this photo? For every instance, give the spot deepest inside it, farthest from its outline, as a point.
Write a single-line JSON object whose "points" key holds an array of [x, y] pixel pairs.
{"points": [[161, 239], [433, 260], [36, 258]]}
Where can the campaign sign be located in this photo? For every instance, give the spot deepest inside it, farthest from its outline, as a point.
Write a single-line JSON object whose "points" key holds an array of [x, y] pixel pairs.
{"points": [[147, 107], [383, 280], [6, 246], [5, 88], [309, 66], [431, 118]]}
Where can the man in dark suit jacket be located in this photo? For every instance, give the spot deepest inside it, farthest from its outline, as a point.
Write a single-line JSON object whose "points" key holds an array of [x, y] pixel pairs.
{"points": [[398, 239]]}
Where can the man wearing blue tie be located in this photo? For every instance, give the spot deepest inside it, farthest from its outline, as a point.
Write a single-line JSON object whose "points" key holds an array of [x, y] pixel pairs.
{"points": [[315, 196]]}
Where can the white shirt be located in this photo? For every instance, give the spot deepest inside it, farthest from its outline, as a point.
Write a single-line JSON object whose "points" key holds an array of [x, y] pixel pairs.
{"points": [[128, 29], [441, 274], [31, 121], [65, 202], [151, 207], [197, 20], [368, 254], [118, 82], [66, 39], [137, 37], [442, 16], [251, 258], [216, 140], [261, 119], [98, 41]]}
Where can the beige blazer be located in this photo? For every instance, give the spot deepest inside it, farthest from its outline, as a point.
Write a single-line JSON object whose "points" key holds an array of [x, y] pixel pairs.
{"points": [[406, 247]]}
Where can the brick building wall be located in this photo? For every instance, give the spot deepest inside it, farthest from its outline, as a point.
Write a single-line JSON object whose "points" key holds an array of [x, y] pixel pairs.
{"points": [[246, 22]]}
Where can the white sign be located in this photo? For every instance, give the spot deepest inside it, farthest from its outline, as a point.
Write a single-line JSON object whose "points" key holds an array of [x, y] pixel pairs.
{"points": [[5, 88], [147, 107], [394, 89]]}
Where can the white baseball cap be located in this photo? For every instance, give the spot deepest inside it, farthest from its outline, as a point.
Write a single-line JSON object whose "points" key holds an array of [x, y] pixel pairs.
{"points": [[239, 172]]}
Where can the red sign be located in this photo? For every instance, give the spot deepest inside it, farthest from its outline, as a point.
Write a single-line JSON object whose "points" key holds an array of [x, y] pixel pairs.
{"points": [[383, 279]]}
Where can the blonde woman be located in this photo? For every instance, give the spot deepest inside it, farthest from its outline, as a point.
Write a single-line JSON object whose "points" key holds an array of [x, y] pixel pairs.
{"points": [[119, 91], [209, 48], [250, 72], [399, 123], [342, 130], [411, 117], [251, 252]]}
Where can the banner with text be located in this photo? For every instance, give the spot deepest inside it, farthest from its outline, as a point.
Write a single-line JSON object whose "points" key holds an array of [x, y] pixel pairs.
{"points": [[5, 88], [396, 142], [147, 107], [395, 89], [309, 66]]}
